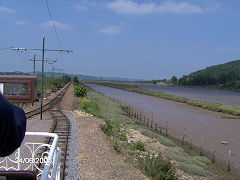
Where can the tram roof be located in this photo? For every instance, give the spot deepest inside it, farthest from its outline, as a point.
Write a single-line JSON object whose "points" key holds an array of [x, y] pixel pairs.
{"points": [[18, 76]]}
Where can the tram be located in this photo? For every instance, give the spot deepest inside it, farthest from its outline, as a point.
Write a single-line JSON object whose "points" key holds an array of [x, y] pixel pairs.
{"points": [[32, 160], [19, 88]]}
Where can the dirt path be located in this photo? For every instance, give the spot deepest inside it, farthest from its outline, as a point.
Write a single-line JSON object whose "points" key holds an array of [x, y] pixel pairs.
{"points": [[97, 157], [69, 102]]}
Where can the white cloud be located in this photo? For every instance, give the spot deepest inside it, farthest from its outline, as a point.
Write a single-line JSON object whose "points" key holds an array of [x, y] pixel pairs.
{"points": [[48, 25], [7, 10], [111, 30], [81, 7], [130, 7], [20, 22]]}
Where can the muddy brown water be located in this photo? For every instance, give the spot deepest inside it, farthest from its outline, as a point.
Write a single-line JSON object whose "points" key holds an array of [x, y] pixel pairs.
{"points": [[211, 95], [200, 124]]}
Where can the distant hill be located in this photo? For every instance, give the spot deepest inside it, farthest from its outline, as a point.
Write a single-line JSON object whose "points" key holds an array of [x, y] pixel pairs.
{"points": [[14, 73], [86, 77], [80, 76], [99, 78], [223, 75]]}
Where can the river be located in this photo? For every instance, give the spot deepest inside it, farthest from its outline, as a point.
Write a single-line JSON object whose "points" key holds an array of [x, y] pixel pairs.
{"points": [[199, 123], [210, 95]]}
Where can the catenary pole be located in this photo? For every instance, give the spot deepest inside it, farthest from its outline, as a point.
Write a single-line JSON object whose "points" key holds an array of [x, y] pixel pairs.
{"points": [[43, 51], [42, 75], [34, 58]]}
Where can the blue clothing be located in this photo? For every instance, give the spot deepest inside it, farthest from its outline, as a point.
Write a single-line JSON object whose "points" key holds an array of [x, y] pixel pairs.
{"points": [[12, 127]]}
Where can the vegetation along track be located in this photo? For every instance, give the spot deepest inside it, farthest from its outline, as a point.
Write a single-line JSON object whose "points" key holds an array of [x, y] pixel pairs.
{"points": [[48, 105], [61, 125]]}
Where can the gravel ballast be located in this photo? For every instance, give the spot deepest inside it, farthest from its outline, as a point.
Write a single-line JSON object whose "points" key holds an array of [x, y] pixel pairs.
{"points": [[72, 170]]}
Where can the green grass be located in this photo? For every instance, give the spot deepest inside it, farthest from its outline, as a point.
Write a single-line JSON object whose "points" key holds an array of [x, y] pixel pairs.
{"points": [[228, 109], [89, 106], [139, 145], [157, 167], [146, 132], [200, 161], [107, 108], [101, 106], [192, 169]]}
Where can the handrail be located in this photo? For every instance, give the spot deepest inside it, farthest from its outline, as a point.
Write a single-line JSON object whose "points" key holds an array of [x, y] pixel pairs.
{"points": [[51, 165]]}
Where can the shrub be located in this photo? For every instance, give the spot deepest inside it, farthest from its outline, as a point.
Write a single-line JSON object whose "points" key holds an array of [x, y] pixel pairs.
{"points": [[139, 145], [56, 83], [113, 129], [157, 167], [80, 91], [108, 128]]}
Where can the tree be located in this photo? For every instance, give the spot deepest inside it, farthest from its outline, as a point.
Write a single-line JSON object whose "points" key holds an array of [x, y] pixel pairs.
{"points": [[154, 81], [66, 79], [56, 83], [174, 80], [75, 80], [80, 91]]}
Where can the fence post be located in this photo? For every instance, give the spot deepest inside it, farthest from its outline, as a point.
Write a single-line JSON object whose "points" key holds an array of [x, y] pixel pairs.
{"points": [[166, 128], [229, 156], [184, 136], [190, 147], [213, 151], [201, 153], [144, 117]]}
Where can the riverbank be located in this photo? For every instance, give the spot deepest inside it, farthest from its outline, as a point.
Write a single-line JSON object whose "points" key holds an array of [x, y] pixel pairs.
{"points": [[227, 109], [126, 135]]}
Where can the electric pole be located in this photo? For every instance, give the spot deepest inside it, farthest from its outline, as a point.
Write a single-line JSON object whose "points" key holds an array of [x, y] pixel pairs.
{"points": [[43, 52], [42, 75], [34, 63]]}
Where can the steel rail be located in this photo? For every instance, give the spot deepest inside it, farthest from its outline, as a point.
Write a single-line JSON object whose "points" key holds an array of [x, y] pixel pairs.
{"points": [[59, 122], [48, 105]]}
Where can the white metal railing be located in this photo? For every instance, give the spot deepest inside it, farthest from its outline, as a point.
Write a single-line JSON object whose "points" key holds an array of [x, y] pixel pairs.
{"points": [[31, 154]]}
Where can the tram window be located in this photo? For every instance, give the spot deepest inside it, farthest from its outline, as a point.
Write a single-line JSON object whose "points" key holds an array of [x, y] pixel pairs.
{"points": [[14, 89], [1, 88]]}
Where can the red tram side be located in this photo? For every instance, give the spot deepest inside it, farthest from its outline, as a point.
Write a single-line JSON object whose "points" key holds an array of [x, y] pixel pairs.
{"points": [[19, 88]]}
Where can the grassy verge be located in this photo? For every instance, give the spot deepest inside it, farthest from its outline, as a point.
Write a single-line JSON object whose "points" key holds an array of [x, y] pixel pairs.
{"points": [[228, 109], [157, 161]]}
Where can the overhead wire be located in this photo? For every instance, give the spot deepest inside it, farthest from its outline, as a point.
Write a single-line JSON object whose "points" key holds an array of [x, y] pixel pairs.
{"points": [[21, 56], [53, 25]]}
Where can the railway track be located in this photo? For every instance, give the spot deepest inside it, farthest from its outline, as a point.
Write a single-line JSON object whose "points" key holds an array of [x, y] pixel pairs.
{"points": [[61, 126], [48, 105]]}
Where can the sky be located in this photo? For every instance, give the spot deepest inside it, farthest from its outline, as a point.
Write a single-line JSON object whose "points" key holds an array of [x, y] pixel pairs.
{"points": [[141, 39]]}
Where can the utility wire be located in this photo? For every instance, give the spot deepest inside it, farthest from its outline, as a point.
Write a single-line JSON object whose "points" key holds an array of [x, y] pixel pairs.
{"points": [[53, 25], [21, 56]]}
